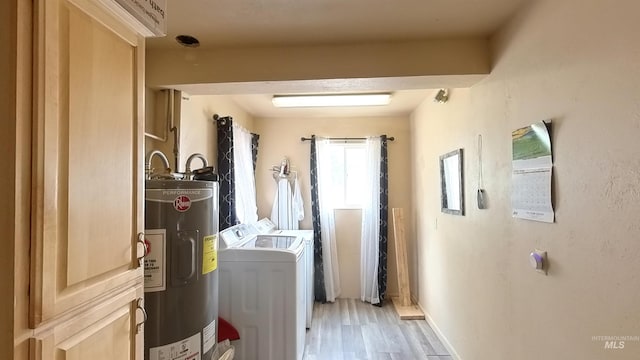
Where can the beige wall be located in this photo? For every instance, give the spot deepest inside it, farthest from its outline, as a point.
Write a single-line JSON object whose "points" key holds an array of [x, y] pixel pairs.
{"points": [[158, 123], [390, 59], [348, 233], [576, 62], [194, 118], [281, 137], [198, 130]]}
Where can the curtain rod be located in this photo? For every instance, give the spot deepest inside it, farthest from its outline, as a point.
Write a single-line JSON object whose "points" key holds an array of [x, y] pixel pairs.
{"points": [[222, 119], [343, 138]]}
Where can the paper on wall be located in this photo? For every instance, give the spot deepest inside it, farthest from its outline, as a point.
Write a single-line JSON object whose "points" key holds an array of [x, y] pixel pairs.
{"points": [[532, 165]]}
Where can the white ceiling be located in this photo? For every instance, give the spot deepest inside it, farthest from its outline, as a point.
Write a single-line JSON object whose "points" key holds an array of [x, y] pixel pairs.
{"points": [[232, 23], [243, 23]]}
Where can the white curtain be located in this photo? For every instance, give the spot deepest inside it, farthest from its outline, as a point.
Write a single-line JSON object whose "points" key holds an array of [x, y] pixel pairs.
{"points": [[244, 179], [369, 246], [327, 221]]}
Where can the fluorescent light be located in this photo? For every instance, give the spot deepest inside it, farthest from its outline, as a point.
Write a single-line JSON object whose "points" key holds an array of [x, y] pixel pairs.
{"points": [[331, 100]]}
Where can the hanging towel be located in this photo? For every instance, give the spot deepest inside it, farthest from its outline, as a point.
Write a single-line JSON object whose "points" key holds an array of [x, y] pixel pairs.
{"points": [[298, 204], [282, 213]]}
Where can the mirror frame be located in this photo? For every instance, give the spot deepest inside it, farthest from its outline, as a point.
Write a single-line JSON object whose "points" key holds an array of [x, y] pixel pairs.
{"points": [[457, 184]]}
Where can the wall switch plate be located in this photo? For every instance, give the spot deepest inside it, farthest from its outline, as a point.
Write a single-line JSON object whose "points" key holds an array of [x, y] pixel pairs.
{"points": [[538, 261]]}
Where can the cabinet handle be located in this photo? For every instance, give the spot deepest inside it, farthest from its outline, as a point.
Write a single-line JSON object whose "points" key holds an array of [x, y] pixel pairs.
{"points": [[140, 306], [144, 246]]}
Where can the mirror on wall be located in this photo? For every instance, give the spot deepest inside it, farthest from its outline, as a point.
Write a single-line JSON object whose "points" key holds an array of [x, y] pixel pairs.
{"points": [[451, 183]]}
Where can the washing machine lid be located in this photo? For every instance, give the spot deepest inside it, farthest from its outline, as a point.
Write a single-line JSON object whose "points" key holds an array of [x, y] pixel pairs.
{"points": [[236, 235], [264, 226], [273, 242], [306, 234]]}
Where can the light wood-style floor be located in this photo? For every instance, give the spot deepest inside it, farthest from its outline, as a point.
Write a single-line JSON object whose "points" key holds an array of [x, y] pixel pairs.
{"points": [[352, 329]]}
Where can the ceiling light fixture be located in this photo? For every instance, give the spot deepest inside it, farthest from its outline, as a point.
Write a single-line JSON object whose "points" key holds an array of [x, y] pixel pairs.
{"points": [[336, 100]]}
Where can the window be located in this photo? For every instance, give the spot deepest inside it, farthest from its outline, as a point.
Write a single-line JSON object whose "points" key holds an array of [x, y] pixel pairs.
{"points": [[348, 161]]}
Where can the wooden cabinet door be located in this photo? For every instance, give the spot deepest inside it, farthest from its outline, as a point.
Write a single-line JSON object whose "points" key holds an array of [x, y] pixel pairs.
{"points": [[87, 157], [109, 331]]}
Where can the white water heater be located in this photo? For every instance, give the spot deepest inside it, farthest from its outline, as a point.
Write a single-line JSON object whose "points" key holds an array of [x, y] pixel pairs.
{"points": [[180, 275]]}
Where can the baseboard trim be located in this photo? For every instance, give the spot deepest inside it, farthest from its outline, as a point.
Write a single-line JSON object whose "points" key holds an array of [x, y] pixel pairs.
{"points": [[454, 354]]}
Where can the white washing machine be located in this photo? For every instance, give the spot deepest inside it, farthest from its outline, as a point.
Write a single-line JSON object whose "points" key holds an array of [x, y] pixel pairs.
{"points": [[266, 226], [261, 292]]}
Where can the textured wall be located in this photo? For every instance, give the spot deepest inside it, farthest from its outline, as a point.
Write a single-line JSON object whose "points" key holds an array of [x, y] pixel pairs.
{"points": [[194, 118], [578, 63]]}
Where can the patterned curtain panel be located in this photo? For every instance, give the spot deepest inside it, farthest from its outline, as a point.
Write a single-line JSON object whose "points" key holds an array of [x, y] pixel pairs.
{"points": [[255, 138], [318, 275], [225, 173], [384, 217]]}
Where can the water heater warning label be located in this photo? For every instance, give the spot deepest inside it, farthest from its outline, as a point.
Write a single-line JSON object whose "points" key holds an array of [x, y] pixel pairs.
{"points": [[209, 337], [155, 260], [187, 349], [209, 254]]}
